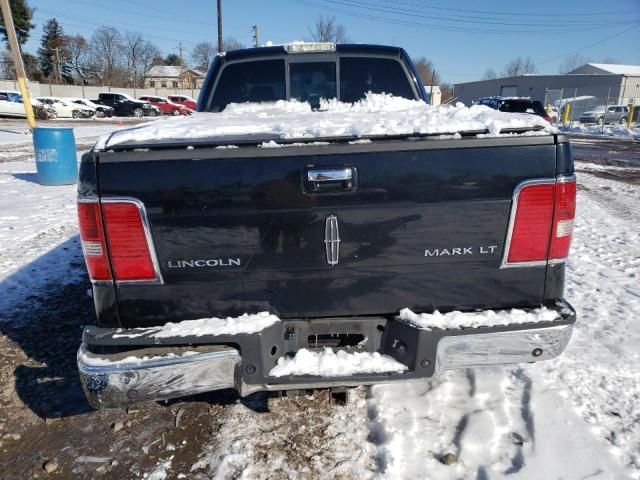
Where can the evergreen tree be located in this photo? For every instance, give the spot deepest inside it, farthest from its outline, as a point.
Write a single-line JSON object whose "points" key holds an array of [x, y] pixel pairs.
{"points": [[53, 56], [22, 15], [172, 59]]}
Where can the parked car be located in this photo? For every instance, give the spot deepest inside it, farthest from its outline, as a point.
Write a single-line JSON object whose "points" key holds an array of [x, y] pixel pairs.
{"points": [[188, 102], [125, 105], [614, 114], [65, 109], [101, 110], [11, 106], [166, 106], [516, 105], [330, 241]]}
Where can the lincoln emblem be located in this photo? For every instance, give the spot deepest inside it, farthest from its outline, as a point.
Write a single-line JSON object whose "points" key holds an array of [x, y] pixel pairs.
{"points": [[332, 239]]}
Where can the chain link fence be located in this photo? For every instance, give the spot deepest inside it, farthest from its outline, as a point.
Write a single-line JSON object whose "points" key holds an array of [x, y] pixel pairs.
{"points": [[576, 107]]}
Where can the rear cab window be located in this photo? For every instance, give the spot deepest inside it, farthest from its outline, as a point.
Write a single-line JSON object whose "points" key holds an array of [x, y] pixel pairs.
{"points": [[359, 75], [348, 78], [311, 81], [254, 81]]}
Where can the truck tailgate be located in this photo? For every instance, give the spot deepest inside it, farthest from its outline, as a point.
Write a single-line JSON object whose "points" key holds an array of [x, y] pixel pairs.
{"points": [[419, 224]]}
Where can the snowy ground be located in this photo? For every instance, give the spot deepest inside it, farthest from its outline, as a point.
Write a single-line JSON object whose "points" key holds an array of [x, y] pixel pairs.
{"points": [[623, 131], [575, 417]]}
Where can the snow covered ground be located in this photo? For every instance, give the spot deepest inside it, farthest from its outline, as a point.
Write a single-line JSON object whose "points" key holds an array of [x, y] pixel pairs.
{"points": [[575, 417], [608, 131]]}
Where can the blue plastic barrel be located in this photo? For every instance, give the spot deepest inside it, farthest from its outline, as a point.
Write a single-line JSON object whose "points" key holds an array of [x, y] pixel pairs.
{"points": [[55, 156]]}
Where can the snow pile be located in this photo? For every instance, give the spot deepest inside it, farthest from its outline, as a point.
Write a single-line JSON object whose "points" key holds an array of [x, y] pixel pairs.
{"points": [[205, 326], [609, 130], [486, 318], [377, 114], [328, 363]]}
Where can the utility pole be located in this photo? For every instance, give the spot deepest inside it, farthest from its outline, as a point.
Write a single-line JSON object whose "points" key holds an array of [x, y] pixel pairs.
{"points": [[181, 64], [433, 78], [256, 43], [17, 61], [219, 25]]}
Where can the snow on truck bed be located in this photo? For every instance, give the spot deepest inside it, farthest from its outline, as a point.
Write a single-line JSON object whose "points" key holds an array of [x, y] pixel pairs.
{"points": [[377, 114]]}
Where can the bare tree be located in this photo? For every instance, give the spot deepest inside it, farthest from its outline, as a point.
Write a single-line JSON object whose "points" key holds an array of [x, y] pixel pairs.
{"points": [[232, 43], [139, 54], [327, 30], [106, 47], [78, 52], [426, 68], [519, 66], [203, 54], [489, 74], [572, 62], [148, 56]]}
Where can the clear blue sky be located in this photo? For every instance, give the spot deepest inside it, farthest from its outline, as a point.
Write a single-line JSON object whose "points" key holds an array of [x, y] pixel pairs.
{"points": [[462, 38]]}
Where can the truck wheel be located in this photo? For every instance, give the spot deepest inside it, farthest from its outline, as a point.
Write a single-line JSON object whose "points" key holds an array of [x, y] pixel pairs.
{"points": [[175, 112], [138, 113], [152, 113], [75, 114], [623, 121], [99, 114]]}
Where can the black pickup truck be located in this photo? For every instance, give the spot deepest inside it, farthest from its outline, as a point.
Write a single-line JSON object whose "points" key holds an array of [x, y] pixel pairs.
{"points": [[125, 106], [331, 239]]}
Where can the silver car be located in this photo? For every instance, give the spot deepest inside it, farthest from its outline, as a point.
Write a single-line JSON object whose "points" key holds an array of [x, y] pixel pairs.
{"points": [[614, 114]]}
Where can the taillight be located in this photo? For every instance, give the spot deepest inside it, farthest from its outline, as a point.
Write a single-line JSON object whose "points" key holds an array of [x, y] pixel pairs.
{"points": [[93, 241], [564, 213], [542, 222], [130, 254]]}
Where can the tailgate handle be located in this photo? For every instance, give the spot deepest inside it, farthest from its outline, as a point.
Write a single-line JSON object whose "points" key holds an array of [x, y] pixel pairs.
{"points": [[330, 179]]}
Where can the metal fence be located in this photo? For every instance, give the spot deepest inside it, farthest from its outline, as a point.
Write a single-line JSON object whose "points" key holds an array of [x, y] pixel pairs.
{"points": [[580, 105]]}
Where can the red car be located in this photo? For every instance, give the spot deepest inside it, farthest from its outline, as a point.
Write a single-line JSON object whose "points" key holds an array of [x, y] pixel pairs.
{"points": [[183, 100], [167, 106]]}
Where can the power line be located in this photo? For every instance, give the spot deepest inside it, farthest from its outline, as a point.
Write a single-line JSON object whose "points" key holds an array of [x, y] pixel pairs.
{"points": [[576, 24], [589, 45], [145, 14], [536, 14], [90, 24], [430, 26], [93, 22]]}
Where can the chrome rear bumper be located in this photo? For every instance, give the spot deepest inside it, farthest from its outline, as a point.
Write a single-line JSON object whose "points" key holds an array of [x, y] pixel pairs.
{"points": [[110, 382], [115, 380]]}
